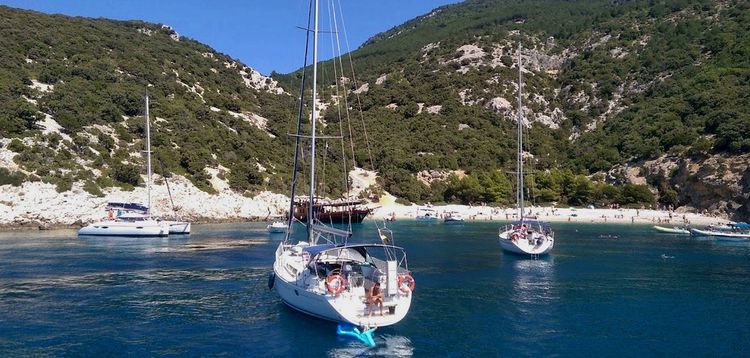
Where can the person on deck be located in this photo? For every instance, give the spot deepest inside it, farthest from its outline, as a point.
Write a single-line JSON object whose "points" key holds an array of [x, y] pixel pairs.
{"points": [[376, 297]]}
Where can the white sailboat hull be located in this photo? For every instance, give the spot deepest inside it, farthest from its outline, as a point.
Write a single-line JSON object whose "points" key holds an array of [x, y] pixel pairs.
{"points": [[147, 228], [179, 227], [523, 246], [343, 308], [349, 306]]}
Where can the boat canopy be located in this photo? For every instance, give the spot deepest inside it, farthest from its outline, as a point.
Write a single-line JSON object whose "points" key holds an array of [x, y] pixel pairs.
{"points": [[361, 248], [127, 206]]}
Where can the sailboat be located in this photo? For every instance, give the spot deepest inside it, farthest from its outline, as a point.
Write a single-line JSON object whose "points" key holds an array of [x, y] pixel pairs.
{"points": [[175, 226], [131, 219], [528, 235], [325, 275]]}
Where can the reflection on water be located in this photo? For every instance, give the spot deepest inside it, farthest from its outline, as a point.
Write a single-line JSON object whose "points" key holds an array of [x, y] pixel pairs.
{"points": [[386, 346], [534, 281]]}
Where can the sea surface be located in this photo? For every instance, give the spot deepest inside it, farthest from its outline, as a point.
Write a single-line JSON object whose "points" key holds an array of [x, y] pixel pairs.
{"points": [[606, 290]]}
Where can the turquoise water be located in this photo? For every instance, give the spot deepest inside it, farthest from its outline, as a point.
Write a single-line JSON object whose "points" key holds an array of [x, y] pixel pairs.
{"points": [[640, 294]]}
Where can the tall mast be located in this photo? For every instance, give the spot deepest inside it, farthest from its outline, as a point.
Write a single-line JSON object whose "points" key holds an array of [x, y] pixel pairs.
{"points": [[148, 156], [310, 216], [519, 159], [300, 111]]}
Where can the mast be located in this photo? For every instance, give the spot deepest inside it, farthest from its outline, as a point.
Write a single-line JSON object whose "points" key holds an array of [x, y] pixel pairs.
{"points": [[310, 216], [519, 158], [148, 156], [300, 111]]}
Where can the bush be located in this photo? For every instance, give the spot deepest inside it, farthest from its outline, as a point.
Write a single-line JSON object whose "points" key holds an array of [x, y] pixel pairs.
{"points": [[64, 183], [11, 178], [126, 173], [93, 189]]}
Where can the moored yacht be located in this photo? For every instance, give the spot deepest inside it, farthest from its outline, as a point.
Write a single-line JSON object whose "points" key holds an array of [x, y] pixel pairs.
{"points": [[325, 275], [528, 236], [126, 219]]}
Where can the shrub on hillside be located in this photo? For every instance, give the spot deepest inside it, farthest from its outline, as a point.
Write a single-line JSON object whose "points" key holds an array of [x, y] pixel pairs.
{"points": [[126, 173]]}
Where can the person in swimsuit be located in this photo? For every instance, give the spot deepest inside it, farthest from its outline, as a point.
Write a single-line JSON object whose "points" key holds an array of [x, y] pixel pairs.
{"points": [[376, 297]]}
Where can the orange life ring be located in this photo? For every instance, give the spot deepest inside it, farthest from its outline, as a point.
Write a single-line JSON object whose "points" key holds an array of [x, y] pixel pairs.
{"points": [[335, 284], [408, 280]]}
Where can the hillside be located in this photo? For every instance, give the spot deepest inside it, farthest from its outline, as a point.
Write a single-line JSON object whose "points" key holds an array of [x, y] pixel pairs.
{"points": [[610, 86], [72, 105], [627, 102]]}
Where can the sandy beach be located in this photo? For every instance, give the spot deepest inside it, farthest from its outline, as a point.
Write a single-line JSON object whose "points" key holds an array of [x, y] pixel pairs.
{"points": [[389, 209], [39, 205]]}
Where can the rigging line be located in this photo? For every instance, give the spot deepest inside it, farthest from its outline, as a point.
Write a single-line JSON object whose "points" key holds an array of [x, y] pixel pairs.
{"points": [[354, 80], [300, 112], [346, 97], [520, 136], [337, 54], [163, 175], [310, 232]]}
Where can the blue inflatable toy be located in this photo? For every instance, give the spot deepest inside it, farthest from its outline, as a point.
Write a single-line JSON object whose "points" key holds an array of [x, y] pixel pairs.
{"points": [[366, 337]]}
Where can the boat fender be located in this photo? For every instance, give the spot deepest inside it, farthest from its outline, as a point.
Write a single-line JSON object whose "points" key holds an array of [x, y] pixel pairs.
{"points": [[406, 283], [271, 280], [335, 284]]}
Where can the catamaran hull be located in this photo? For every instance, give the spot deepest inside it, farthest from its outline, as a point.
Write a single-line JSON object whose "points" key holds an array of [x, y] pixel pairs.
{"points": [[179, 227], [117, 228]]}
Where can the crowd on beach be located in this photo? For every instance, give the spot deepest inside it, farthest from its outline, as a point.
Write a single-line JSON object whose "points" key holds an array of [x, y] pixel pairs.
{"points": [[614, 214]]}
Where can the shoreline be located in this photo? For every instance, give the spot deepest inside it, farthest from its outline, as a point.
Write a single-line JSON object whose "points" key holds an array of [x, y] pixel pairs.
{"points": [[38, 206], [38, 226], [679, 217], [470, 213]]}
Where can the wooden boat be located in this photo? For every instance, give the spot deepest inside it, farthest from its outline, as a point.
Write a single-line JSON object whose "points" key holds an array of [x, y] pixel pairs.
{"points": [[333, 212]]}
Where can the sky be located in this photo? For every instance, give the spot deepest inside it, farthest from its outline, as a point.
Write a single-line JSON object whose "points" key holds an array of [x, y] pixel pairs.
{"points": [[263, 34]]}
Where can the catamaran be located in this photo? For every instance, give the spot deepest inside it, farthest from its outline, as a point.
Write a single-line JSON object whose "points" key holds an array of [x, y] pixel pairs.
{"points": [[133, 219], [325, 275], [527, 236]]}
